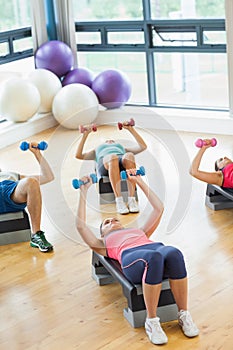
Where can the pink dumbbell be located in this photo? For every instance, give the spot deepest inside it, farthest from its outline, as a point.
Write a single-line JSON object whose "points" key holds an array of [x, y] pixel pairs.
{"points": [[200, 143], [131, 122], [83, 128]]}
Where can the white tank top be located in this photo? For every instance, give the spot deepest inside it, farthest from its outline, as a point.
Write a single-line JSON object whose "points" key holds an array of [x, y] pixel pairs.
{"points": [[8, 175]]}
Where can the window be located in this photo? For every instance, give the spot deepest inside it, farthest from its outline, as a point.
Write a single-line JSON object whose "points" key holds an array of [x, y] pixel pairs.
{"points": [[15, 31], [134, 65], [15, 39], [167, 48], [192, 80], [171, 9], [102, 10]]}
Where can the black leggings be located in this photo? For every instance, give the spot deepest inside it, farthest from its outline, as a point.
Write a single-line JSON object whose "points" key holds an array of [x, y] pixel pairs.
{"points": [[151, 263]]}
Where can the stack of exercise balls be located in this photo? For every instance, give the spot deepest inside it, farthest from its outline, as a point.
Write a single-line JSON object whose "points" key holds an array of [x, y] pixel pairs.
{"points": [[72, 94]]}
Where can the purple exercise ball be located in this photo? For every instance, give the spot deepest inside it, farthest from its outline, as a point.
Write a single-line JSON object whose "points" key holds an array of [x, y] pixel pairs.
{"points": [[112, 87], [79, 76], [55, 56]]}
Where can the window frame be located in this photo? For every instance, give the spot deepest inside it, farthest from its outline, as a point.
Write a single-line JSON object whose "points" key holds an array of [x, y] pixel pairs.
{"points": [[12, 36]]}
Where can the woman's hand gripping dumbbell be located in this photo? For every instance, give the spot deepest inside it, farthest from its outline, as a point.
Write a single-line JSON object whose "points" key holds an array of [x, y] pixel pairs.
{"points": [[130, 122], [141, 171], [42, 146], [77, 183], [200, 143], [85, 128]]}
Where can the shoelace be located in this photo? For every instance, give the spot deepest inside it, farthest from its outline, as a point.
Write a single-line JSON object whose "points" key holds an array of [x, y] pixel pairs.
{"points": [[187, 319], [156, 325]]}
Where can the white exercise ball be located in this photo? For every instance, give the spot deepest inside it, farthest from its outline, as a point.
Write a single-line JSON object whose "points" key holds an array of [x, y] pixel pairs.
{"points": [[48, 85], [75, 104], [19, 100]]}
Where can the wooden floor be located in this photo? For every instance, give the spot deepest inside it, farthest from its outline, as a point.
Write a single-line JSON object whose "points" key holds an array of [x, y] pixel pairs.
{"points": [[50, 302]]}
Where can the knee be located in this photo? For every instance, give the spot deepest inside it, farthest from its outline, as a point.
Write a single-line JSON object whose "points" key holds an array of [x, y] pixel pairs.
{"points": [[175, 256], [155, 259], [31, 183], [128, 159], [111, 160]]}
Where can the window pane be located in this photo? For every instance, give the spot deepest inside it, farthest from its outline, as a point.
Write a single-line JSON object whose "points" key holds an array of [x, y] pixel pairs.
{"points": [[187, 9], [214, 38], [174, 39], [88, 38], [23, 44], [4, 49], [14, 14], [100, 10], [126, 38], [192, 80], [132, 64]]}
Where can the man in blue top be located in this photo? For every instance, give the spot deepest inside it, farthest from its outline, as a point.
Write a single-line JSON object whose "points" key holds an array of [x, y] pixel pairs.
{"points": [[20, 191], [111, 159]]}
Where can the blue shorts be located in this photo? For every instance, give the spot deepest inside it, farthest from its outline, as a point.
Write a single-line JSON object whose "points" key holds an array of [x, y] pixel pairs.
{"points": [[7, 205], [102, 171]]}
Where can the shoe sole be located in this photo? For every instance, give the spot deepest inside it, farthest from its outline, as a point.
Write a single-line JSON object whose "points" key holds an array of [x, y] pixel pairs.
{"points": [[156, 343], [34, 245], [150, 336], [188, 335]]}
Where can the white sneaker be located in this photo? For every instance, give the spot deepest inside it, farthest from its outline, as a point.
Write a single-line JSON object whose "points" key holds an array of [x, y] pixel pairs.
{"points": [[188, 326], [133, 205], [155, 331], [121, 206]]}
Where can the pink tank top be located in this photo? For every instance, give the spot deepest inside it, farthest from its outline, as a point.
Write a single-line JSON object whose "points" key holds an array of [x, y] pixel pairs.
{"points": [[228, 176], [118, 241]]}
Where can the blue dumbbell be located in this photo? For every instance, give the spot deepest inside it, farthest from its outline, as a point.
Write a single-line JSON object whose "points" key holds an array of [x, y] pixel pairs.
{"points": [[78, 183], [24, 146], [141, 171]]}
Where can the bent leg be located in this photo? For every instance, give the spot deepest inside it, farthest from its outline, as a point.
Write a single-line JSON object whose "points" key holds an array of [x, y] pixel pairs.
{"points": [[111, 163], [128, 161], [28, 191], [180, 291], [175, 270], [145, 266]]}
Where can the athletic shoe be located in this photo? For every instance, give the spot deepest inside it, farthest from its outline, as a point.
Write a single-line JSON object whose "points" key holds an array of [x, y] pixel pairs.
{"points": [[155, 331], [38, 240], [121, 206], [133, 205], [186, 323]]}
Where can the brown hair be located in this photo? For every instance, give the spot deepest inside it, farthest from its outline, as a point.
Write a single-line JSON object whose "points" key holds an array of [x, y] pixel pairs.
{"points": [[216, 166], [101, 232]]}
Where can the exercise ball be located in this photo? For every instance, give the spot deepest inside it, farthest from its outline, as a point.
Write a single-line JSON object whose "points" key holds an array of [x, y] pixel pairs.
{"points": [[48, 85], [75, 104], [79, 75], [55, 56], [112, 88], [19, 100]]}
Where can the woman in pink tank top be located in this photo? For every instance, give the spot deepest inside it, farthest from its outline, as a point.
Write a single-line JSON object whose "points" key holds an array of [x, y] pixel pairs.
{"points": [[223, 174], [142, 260]]}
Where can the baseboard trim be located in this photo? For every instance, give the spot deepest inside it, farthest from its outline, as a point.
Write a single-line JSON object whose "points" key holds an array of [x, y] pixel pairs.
{"points": [[14, 132], [213, 123]]}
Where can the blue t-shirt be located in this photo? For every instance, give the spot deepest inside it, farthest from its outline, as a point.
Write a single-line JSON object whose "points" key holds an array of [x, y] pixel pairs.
{"points": [[108, 148]]}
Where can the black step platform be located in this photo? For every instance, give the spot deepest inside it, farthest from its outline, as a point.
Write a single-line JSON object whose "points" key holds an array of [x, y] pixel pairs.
{"points": [[14, 228], [106, 271], [218, 198]]}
